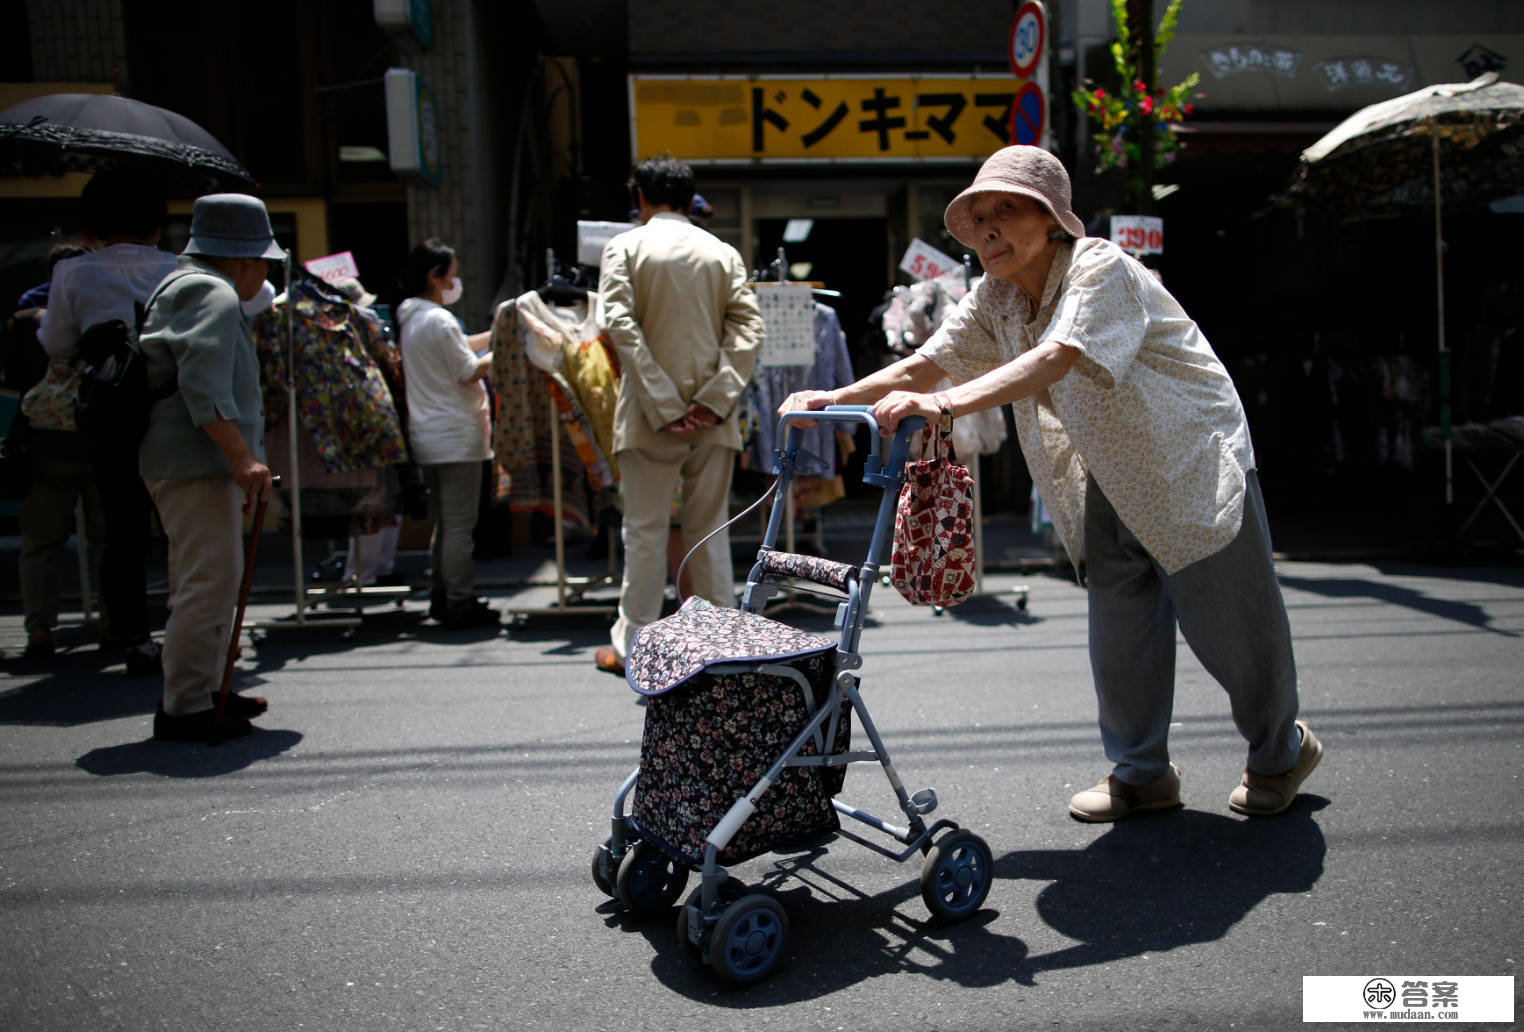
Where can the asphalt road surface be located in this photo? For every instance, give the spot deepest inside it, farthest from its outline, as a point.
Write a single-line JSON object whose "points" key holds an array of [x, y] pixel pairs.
{"points": [[405, 843]]}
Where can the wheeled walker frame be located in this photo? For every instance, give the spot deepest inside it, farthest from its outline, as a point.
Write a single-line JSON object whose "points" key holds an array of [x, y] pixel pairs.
{"points": [[741, 933]]}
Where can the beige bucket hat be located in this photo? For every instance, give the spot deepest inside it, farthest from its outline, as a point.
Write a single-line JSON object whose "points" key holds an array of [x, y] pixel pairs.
{"points": [[1020, 169]]}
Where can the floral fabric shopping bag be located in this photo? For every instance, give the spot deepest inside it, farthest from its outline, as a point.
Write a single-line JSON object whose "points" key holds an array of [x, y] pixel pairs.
{"points": [[933, 557]]}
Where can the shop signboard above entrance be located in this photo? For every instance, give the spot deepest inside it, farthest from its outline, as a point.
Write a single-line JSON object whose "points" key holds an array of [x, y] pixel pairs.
{"points": [[821, 118]]}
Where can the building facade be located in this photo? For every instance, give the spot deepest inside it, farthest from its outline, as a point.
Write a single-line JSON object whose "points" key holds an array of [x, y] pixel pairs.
{"points": [[861, 120]]}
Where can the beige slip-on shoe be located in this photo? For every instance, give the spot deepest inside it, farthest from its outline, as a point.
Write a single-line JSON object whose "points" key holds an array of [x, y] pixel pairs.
{"points": [[1260, 795], [1114, 798]]}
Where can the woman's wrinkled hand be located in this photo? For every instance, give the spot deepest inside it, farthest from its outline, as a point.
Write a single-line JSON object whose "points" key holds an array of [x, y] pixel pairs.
{"points": [[806, 401], [896, 405]]}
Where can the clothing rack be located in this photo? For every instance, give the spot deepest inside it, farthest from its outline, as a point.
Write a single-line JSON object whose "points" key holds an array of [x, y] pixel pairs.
{"points": [[302, 619], [563, 287], [790, 598]]}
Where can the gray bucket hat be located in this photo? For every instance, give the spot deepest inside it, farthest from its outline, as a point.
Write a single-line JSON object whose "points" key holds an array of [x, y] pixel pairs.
{"points": [[232, 225], [1020, 169]]}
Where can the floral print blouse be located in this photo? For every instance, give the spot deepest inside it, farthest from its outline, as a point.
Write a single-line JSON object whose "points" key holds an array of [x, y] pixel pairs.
{"points": [[345, 367], [1148, 411]]}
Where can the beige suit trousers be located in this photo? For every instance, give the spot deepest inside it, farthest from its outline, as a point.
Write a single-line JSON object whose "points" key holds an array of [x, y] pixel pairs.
{"points": [[648, 478], [203, 522]]}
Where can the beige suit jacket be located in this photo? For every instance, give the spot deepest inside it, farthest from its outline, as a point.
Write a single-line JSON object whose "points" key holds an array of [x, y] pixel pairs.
{"points": [[686, 327]]}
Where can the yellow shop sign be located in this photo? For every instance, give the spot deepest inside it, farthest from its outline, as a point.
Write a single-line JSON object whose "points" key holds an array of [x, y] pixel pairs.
{"points": [[821, 118]]}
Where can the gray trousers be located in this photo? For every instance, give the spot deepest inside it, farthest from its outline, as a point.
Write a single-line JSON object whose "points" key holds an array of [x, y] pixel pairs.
{"points": [[454, 494], [1229, 609]]}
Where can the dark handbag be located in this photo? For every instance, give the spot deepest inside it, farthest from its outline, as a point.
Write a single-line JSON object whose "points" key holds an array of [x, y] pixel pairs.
{"points": [[933, 557], [15, 460]]}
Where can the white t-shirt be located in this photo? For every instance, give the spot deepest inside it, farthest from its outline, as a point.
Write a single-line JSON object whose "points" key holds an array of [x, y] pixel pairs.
{"points": [[1149, 410], [98, 287], [448, 418]]}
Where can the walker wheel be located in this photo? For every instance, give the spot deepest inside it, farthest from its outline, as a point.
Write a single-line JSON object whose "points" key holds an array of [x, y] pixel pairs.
{"points": [[603, 867], [956, 875], [730, 890], [649, 881], [748, 939]]}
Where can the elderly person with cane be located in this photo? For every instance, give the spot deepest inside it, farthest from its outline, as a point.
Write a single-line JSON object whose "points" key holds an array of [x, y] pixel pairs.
{"points": [[203, 454], [1137, 442]]}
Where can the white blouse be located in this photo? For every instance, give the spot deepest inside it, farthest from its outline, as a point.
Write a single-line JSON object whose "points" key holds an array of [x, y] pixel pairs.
{"points": [[447, 411]]}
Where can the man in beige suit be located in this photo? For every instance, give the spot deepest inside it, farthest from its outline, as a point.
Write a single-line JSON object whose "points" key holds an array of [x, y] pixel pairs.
{"points": [[687, 329]]}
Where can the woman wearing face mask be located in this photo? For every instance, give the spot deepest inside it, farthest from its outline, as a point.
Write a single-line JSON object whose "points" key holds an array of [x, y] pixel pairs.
{"points": [[449, 426]]}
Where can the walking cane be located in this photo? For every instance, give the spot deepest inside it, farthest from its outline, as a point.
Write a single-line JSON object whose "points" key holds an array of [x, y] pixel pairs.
{"points": [[243, 601]]}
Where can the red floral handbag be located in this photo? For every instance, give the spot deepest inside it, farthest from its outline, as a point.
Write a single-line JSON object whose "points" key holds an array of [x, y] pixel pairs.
{"points": [[933, 557]]}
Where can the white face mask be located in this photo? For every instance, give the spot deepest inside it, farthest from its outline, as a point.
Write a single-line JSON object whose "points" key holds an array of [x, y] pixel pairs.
{"points": [[452, 292]]}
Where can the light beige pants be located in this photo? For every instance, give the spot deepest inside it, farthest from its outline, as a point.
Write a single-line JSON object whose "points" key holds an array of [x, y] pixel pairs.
{"points": [[648, 477], [203, 522]]}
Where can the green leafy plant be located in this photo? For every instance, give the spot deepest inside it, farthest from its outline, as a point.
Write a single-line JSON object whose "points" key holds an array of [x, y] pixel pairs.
{"points": [[1118, 118]]}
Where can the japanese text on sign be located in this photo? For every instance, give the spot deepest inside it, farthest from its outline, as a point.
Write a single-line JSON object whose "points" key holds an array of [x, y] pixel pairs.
{"points": [[1340, 72], [914, 117]]}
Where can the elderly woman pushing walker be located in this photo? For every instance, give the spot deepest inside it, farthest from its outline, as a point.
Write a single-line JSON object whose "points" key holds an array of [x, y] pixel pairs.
{"points": [[1137, 442]]}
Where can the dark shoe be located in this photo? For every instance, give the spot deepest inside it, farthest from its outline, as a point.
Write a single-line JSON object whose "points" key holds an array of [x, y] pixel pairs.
{"points": [[608, 661], [39, 645], [199, 727], [475, 613], [144, 659], [246, 706]]}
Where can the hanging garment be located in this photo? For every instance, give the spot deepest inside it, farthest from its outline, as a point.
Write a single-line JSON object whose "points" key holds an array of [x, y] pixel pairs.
{"points": [[570, 345], [772, 384], [522, 429], [913, 315], [342, 396]]}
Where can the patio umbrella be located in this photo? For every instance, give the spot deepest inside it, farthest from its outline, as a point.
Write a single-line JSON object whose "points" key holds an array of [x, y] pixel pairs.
{"points": [[87, 132], [1456, 145]]}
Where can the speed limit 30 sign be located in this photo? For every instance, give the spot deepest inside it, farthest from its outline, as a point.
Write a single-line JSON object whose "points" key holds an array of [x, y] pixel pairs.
{"points": [[1029, 30]]}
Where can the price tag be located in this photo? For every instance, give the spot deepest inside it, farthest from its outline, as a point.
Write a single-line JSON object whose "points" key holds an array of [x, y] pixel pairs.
{"points": [[334, 267], [925, 262], [1140, 234]]}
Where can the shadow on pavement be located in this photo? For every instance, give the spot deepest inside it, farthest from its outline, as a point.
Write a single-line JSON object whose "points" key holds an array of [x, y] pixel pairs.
{"points": [[71, 694], [1144, 886], [1467, 613], [1157, 882], [187, 759], [992, 610], [838, 937]]}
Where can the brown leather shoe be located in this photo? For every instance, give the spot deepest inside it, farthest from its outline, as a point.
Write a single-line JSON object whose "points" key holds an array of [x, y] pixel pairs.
{"points": [[607, 660], [1113, 799], [1260, 795]]}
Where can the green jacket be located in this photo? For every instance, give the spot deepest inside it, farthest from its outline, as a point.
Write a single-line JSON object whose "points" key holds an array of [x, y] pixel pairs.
{"points": [[196, 331]]}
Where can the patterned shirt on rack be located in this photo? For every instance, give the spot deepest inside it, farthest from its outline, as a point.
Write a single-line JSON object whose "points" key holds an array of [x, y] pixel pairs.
{"points": [[342, 395], [523, 428]]}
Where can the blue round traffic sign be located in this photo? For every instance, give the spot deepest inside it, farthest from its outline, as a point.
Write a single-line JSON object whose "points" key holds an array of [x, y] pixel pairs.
{"points": [[1029, 113]]}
